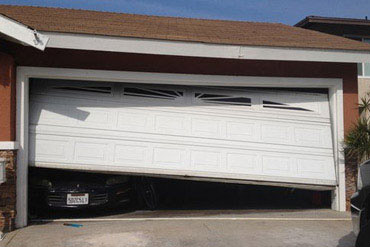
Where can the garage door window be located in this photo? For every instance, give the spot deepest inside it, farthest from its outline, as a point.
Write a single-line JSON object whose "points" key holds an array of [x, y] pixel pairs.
{"points": [[223, 99], [276, 105], [103, 90], [152, 93]]}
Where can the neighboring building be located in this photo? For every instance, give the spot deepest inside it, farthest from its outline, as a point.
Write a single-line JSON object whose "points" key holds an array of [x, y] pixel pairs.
{"points": [[246, 102], [356, 29]]}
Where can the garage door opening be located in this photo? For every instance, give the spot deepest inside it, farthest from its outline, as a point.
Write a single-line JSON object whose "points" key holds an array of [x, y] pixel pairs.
{"points": [[50, 191], [276, 136], [197, 195]]}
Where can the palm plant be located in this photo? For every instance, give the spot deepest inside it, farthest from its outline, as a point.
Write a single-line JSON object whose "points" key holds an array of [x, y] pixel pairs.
{"points": [[357, 140]]}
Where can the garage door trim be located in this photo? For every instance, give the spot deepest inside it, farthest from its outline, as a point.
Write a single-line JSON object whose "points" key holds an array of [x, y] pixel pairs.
{"points": [[25, 73]]}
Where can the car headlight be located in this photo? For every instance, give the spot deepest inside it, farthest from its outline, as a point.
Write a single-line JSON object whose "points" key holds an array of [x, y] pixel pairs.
{"points": [[43, 182], [117, 180]]}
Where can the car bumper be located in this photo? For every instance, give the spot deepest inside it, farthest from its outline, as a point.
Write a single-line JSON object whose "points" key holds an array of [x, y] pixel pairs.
{"points": [[55, 198]]}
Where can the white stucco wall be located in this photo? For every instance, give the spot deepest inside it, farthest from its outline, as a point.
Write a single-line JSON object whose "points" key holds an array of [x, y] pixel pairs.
{"points": [[363, 87]]}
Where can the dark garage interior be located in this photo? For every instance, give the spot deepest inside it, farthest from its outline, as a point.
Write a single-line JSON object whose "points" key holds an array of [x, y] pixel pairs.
{"points": [[173, 196]]}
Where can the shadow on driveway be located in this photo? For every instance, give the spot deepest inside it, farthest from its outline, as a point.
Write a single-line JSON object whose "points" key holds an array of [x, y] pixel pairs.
{"points": [[347, 240]]}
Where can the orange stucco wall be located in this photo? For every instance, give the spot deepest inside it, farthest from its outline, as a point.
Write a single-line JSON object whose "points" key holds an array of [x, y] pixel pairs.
{"points": [[350, 100], [7, 98]]}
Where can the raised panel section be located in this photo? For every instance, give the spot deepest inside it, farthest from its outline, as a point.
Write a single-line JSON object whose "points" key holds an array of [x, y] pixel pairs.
{"points": [[90, 152], [168, 156], [170, 124], [49, 149], [93, 118], [241, 162], [50, 113], [206, 128], [275, 133], [308, 136], [129, 120], [276, 165], [130, 154], [205, 160], [241, 131], [314, 168]]}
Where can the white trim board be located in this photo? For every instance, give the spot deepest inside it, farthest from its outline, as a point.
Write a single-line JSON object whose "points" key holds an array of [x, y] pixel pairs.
{"points": [[8, 145], [22, 33], [24, 73], [197, 49]]}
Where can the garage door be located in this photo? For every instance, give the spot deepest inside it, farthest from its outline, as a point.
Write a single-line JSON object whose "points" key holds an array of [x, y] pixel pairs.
{"points": [[209, 132]]}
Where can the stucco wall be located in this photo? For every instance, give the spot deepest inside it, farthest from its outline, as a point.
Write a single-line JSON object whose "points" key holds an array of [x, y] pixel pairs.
{"points": [[7, 98], [363, 87]]}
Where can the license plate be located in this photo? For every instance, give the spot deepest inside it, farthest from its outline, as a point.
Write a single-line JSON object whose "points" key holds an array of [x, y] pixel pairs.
{"points": [[78, 199]]}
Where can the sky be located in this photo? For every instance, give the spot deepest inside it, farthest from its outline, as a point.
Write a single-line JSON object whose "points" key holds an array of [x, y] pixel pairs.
{"points": [[282, 11]]}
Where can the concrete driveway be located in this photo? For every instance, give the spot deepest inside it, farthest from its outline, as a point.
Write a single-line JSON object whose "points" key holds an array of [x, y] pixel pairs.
{"points": [[166, 229]]}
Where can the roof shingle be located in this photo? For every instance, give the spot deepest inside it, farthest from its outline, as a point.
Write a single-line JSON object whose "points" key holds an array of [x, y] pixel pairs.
{"points": [[175, 28]]}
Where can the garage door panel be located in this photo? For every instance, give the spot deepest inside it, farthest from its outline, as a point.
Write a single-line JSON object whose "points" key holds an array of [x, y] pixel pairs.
{"points": [[242, 130], [173, 139], [206, 160], [279, 102], [168, 156], [171, 123], [185, 157], [131, 154], [208, 132], [255, 112], [203, 127], [132, 120], [51, 113], [90, 152], [315, 103], [96, 118], [243, 161], [277, 165], [309, 167], [276, 133], [191, 125], [311, 136], [47, 148], [51, 148]]}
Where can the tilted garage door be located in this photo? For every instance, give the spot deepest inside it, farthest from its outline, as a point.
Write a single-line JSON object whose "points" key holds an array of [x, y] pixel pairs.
{"points": [[211, 132]]}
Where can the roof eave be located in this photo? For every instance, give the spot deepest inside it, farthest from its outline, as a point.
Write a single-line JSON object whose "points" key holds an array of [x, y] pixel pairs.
{"points": [[331, 20], [197, 49], [303, 22], [22, 33]]}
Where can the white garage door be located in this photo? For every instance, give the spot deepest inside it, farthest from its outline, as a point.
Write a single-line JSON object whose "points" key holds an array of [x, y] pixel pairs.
{"points": [[232, 133]]}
